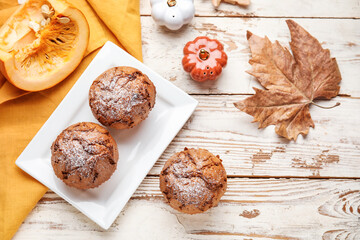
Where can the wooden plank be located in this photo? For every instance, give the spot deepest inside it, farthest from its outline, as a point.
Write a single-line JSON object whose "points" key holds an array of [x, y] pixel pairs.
{"points": [[162, 50], [250, 209], [278, 8], [331, 149]]}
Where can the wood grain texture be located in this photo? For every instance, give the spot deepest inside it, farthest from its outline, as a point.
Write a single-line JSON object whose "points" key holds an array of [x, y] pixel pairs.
{"points": [[331, 149], [284, 209], [252, 208], [278, 8], [163, 50]]}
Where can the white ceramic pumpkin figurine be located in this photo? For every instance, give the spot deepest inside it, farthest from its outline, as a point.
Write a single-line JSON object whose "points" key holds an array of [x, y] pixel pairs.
{"points": [[172, 13]]}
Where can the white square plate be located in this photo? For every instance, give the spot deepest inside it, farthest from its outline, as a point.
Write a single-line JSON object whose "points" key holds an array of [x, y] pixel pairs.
{"points": [[139, 147]]}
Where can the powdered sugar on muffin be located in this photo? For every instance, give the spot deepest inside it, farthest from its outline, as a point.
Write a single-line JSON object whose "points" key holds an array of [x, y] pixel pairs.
{"points": [[84, 155], [122, 97], [193, 180]]}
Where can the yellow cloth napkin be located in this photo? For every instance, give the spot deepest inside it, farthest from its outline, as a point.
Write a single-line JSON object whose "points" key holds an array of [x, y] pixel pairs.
{"points": [[21, 118]]}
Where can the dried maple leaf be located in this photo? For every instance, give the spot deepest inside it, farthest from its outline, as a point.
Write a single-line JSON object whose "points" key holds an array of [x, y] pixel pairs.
{"points": [[291, 82]]}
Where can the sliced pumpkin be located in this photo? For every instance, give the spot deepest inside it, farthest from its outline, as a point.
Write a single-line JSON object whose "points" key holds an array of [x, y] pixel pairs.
{"points": [[42, 43]]}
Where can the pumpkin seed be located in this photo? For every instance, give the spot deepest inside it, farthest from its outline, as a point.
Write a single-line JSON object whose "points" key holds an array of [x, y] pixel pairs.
{"points": [[46, 11], [44, 22], [64, 19]]}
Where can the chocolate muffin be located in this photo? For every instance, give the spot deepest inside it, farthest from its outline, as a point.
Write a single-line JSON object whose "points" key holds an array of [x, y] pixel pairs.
{"points": [[84, 155], [193, 180], [121, 97]]}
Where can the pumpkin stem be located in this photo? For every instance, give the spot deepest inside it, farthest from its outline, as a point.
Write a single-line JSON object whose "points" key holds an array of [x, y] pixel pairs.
{"points": [[171, 3], [203, 54], [337, 104]]}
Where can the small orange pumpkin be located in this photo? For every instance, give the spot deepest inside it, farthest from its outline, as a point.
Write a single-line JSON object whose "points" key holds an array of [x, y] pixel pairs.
{"points": [[204, 58]]}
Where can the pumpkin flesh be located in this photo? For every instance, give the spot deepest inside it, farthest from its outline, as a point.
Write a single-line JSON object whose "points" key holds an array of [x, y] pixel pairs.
{"points": [[36, 59]]}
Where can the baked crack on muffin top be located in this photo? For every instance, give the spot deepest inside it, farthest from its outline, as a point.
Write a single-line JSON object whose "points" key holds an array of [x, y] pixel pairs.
{"points": [[193, 180], [122, 97], [84, 155]]}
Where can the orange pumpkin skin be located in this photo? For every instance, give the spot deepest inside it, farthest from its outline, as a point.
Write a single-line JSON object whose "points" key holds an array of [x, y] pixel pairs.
{"points": [[204, 58]]}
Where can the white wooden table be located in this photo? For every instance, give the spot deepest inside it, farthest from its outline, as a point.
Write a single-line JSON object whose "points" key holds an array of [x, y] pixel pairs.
{"points": [[277, 189]]}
